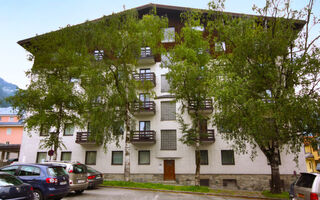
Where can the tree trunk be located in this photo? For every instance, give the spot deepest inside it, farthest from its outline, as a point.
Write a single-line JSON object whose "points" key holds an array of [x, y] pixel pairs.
{"points": [[197, 174], [127, 148], [275, 176]]}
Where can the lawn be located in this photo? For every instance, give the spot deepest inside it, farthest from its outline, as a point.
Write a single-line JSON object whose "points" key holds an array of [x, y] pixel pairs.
{"points": [[284, 195]]}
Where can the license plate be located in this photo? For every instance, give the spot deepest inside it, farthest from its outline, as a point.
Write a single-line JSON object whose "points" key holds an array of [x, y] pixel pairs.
{"points": [[63, 183], [81, 181], [300, 195]]}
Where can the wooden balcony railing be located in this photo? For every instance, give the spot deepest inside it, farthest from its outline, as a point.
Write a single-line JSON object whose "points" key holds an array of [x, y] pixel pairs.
{"points": [[83, 138], [145, 77], [208, 136], [144, 107], [143, 137], [205, 105]]}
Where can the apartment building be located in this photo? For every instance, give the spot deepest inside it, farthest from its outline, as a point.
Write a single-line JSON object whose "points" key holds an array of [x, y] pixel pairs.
{"points": [[11, 129], [157, 154]]}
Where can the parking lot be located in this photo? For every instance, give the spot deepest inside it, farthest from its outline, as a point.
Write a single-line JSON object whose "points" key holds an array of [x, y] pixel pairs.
{"points": [[128, 194]]}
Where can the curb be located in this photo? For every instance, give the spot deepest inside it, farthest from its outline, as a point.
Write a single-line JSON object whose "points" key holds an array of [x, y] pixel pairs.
{"points": [[194, 193]]}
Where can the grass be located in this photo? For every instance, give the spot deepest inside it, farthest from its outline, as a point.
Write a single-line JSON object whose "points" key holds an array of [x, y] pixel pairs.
{"points": [[156, 186], [283, 195]]}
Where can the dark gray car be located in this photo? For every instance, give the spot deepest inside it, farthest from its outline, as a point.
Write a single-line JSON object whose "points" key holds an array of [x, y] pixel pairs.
{"points": [[95, 177]]}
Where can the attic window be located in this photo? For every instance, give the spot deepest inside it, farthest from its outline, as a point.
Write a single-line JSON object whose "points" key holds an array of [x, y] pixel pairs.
{"points": [[168, 35], [219, 46], [98, 54]]}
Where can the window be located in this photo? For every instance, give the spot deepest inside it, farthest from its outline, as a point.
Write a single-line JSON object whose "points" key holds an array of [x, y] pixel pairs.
{"points": [[144, 97], [65, 156], [165, 87], [168, 140], [204, 157], [168, 35], [219, 46], [91, 157], [144, 125], [10, 170], [8, 131], [41, 157], [0, 118], [44, 131], [144, 158], [11, 119], [227, 157], [168, 110], [68, 129], [144, 71], [198, 28], [29, 171], [98, 54], [117, 158], [165, 60]]}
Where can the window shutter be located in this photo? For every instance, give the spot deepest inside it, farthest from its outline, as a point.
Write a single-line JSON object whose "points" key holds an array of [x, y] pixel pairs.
{"points": [[168, 111], [168, 140]]}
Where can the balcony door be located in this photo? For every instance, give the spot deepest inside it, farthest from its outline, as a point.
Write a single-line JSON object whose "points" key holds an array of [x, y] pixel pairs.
{"points": [[144, 128], [144, 97], [144, 71]]}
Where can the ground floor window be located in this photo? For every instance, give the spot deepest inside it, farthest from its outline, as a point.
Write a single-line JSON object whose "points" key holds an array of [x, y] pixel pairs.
{"points": [[117, 157], [144, 157], [41, 157], [65, 156], [91, 157], [204, 157]]}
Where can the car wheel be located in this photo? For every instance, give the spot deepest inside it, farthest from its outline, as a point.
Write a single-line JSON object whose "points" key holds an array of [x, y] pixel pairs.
{"points": [[79, 191], [37, 195]]}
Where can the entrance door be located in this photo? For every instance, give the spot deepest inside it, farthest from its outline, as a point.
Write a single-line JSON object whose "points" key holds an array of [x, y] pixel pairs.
{"points": [[168, 168]]}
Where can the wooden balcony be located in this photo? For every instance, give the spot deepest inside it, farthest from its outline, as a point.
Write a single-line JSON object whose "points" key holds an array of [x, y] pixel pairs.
{"points": [[204, 107], [143, 137], [144, 108], [207, 137], [84, 138], [144, 77], [146, 56]]}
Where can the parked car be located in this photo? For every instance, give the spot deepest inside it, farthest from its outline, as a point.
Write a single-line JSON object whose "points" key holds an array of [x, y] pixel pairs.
{"points": [[77, 175], [94, 177], [11, 160], [307, 187], [48, 181], [13, 188]]}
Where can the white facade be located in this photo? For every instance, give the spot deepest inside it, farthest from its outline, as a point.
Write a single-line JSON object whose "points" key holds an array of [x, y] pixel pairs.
{"points": [[184, 155]]}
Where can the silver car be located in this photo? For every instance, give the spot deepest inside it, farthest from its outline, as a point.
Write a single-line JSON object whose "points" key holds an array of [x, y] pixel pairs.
{"points": [[78, 179], [307, 187]]}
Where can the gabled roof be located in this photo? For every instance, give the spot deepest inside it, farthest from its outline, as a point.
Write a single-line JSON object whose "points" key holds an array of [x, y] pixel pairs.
{"points": [[163, 8]]}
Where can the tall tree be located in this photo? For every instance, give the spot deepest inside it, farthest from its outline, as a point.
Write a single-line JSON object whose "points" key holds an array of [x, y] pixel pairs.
{"points": [[266, 86], [108, 81], [51, 101], [188, 77]]}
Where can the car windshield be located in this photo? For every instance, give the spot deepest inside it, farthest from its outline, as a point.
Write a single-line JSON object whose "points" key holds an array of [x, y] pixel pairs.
{"points": [[79, 168], [56, 171], [91, 170], [7, 180], [306, 180]]}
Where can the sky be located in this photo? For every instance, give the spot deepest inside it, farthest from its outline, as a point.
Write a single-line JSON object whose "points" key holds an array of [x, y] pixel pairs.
{"points": [[21, 19]]}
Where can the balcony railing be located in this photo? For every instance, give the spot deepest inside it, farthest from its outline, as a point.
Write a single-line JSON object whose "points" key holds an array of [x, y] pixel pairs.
{"points": [[144, 107], [146, 137], [207, 137], [83, 138], [205, 106], [143, 77]]}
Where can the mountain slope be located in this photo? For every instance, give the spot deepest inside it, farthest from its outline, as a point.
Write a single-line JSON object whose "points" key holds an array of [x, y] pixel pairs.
{"points": [[6, 90]]}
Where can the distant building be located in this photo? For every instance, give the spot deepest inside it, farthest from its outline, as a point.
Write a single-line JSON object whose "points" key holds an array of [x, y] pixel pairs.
{"points": [[312, 157], [11, 129]]}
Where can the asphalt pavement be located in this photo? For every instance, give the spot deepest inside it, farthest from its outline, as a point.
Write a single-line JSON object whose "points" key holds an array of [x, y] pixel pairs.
{"points": [[104, 193]]}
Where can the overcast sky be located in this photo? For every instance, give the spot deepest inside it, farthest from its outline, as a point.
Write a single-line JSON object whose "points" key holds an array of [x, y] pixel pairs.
{"points": [[21, 19]]}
